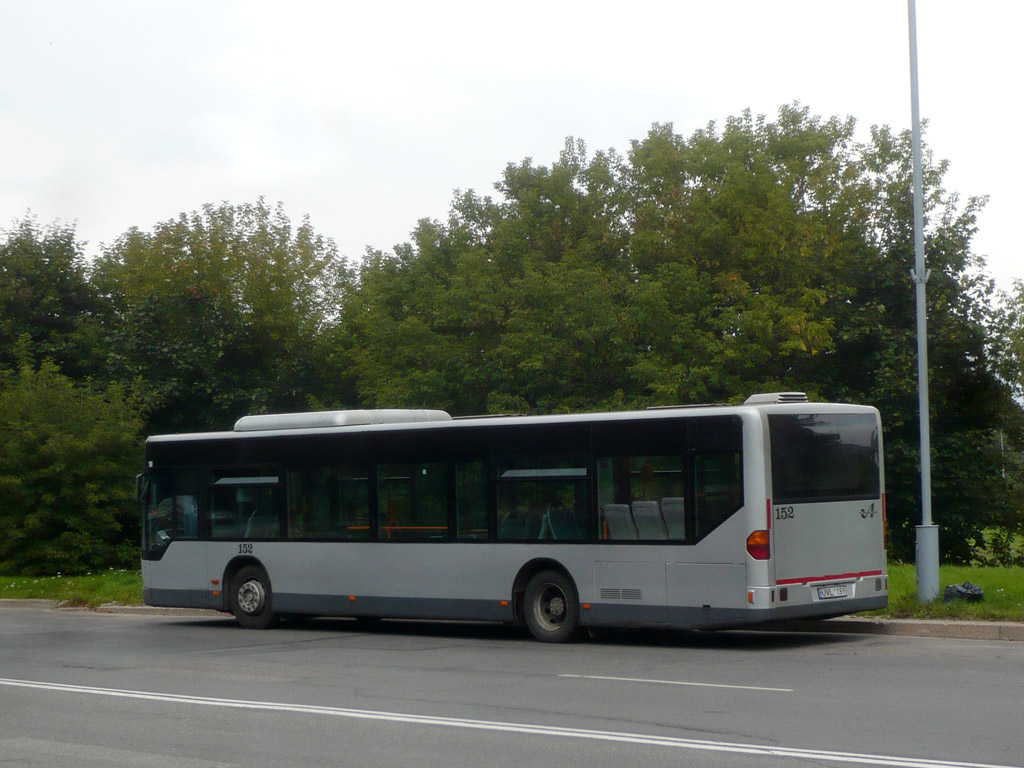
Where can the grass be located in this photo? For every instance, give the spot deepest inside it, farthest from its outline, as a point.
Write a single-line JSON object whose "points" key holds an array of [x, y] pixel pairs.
{"points": [[91, 590], [1004, 594], [1004, 591]]}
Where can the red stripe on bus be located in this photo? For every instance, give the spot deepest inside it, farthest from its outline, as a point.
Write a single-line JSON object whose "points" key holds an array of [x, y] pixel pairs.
{"points": [[858, 575], [769, 514]]}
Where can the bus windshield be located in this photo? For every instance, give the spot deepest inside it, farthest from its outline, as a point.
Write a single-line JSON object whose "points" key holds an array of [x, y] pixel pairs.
{"points": [[824, 457]]}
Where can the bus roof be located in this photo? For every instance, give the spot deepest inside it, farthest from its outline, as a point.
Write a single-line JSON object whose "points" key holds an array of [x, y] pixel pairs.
{"points": [[369, 420]]}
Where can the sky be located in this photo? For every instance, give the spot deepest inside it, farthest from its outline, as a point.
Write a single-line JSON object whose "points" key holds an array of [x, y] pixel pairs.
{"points": [[368, 116]]}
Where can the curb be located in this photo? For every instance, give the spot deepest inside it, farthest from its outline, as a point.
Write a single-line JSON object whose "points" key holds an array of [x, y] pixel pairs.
{"points": [[149, 610], [140, 610], [24, 602], [949, 629], [956, 630]]}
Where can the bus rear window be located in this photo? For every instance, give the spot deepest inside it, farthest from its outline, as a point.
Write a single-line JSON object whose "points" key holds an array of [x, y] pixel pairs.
{"points": [[824, 457]]}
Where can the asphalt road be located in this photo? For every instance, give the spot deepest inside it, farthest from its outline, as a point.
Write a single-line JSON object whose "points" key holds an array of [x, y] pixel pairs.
{"points": [[84, 689]]}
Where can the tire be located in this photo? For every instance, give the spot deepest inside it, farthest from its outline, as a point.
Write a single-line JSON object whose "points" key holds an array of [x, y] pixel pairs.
{"points": [[551, 608], [252, 602]]}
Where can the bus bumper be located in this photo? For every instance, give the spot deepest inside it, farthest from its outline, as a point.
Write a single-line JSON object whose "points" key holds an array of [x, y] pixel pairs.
{"points": [[820, 599]]}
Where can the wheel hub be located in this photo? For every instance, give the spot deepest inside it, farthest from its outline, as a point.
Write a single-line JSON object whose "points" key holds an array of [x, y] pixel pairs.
{"points": [[251, 597], [556, 608]]}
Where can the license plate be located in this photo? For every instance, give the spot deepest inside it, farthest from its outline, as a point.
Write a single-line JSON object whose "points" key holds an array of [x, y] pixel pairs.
{"points": [[828, 593]]}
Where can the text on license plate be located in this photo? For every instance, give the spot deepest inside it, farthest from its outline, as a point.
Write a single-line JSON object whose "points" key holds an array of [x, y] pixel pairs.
{"points": [[827, 593]]}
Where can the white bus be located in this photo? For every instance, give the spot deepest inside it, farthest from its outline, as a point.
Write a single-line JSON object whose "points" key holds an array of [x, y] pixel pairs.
{"points": [[691, 517]]}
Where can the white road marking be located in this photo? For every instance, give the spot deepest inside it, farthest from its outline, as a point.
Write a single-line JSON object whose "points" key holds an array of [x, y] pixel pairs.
{"points": [[760, 750], [679, 682]]}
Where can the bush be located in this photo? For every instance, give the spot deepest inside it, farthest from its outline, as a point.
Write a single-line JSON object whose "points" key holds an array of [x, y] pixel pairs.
{"points": [[67, 454], [1000, 546]]}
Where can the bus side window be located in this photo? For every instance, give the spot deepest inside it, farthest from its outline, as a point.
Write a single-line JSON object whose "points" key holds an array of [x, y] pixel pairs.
{"points": [[641, 498], [264, 522], [329, 503], [470, 500], [542, 498], [718, 488], [352, 485], [245, 507], [412, 502]]}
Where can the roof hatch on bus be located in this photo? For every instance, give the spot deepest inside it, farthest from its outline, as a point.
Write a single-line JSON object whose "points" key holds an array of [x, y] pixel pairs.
{"points": [[775, 398], [317, 419]]}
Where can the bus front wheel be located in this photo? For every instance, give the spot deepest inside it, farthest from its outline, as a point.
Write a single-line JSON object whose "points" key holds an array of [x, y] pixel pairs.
{"points": [[552, 610], [251, 600]]}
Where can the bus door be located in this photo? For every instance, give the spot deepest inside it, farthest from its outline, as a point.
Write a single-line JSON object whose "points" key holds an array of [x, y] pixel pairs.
{"points": [[172, 555], [170, 501]]}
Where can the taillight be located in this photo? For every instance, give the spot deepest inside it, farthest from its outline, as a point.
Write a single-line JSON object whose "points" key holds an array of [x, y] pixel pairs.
{"points": [[759, 545]]}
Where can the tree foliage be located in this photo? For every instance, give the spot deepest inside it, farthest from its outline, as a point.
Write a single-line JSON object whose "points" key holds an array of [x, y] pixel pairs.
{"points": [[755, 255], [218, 313], [1007, 341], [45, 293], [67, 454], [760, 256]]}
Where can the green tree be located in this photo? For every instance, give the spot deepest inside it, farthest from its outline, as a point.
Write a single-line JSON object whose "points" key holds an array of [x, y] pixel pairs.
{"points": [[45, 294], [420, 328], [220, 313], [67, 453], [505, 307], [737, 238], [766, 255], [1007, 350], [879, 342], [561, 248], [1008, 340]]}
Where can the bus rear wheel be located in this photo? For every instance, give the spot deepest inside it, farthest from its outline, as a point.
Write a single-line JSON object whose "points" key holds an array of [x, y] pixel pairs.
{"points": [[551, 608], [252, 602]]}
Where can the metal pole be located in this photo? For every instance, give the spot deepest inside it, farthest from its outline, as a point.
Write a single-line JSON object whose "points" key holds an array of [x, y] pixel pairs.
{"points": [[927, 533]]}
